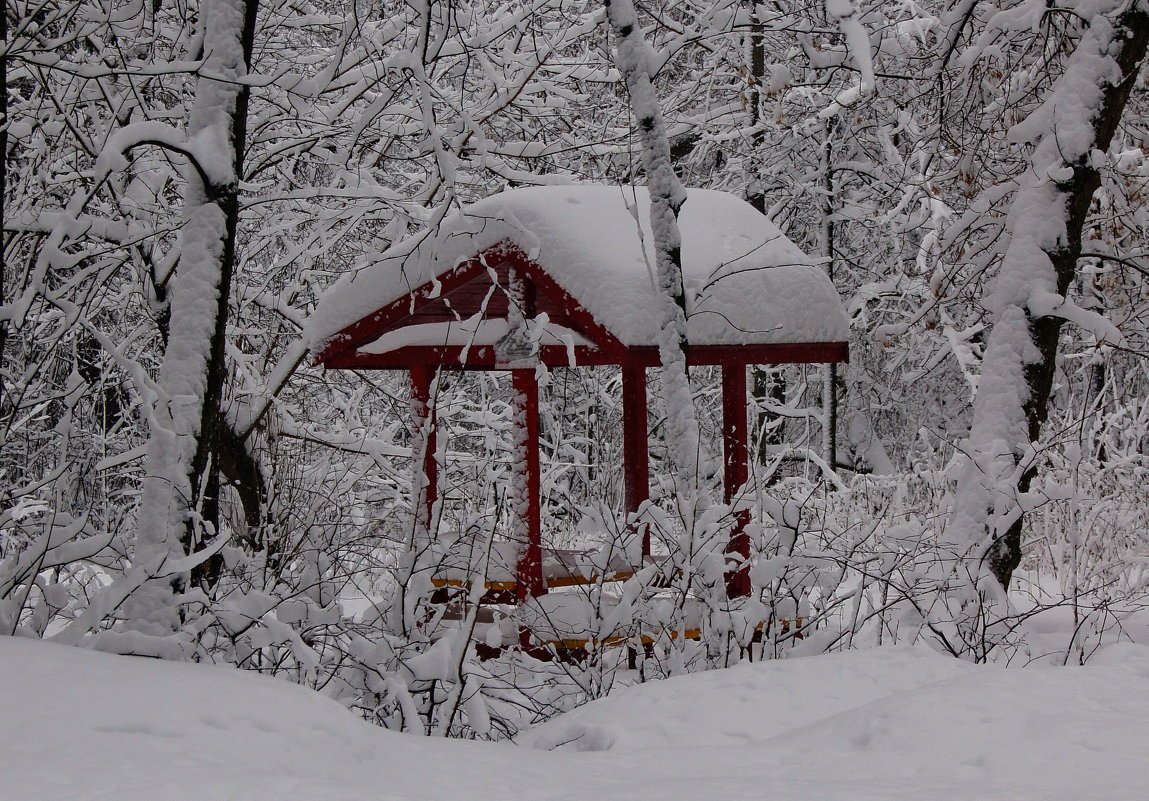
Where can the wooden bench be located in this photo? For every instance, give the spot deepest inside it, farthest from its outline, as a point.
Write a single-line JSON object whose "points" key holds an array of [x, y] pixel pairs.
{"points": [[561, 568]]}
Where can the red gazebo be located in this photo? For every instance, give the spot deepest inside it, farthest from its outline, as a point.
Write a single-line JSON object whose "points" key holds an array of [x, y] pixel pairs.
{"points": [[560, 276]]}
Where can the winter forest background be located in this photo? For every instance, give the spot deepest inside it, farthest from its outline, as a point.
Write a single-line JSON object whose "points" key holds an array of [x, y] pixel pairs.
{"points": [[183, 180]]}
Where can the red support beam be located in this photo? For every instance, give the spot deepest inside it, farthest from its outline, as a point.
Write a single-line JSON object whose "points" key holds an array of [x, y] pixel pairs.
{"points": [[635, 445], [426, 430], [735, 455], [482, 357], [527, 485]]}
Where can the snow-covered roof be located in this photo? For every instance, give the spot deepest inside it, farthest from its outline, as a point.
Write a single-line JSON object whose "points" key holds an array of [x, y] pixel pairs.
{"points": [[746, 283]]}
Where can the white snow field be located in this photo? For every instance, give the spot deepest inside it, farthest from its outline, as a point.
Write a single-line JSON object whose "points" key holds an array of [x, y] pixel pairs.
{"points": [[895, 723]]}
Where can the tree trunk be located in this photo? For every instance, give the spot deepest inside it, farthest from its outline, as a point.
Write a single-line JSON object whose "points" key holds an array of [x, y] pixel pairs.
{"points": [[179, 509], [1029, 297], [666, 198]]}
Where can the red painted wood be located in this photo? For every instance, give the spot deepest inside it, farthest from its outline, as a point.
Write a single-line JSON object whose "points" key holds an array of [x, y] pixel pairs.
{"points": [[530, 289], [735, 454], [460, 293], [635, 445], [529, 569], [736, 470], [738, 579], [580, 319], [423, 412], [374, 324], [483, 358], [480, 357], [779, 353]]}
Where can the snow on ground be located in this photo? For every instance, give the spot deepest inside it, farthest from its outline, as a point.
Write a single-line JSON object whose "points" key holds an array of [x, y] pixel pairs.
{"points": [[880, 724]]}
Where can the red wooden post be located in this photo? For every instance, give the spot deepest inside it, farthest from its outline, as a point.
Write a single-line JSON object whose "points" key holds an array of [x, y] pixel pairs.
{"points": [[635, 447], [735, 473], [527, 486], [423, 412]]}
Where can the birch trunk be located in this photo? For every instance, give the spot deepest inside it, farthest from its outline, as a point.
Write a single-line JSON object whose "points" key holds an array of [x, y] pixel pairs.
{"points": [[666, 198]]}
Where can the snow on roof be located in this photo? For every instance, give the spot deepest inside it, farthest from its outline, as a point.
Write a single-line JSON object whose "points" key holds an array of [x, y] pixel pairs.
{"points": [[746, 283]]}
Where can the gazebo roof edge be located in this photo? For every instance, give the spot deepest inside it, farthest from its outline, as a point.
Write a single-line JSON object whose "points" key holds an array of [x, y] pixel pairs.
{"points": [[747, 284]]}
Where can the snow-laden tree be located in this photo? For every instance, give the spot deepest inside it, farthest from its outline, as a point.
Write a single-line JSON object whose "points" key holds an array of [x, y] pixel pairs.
{"points": [[911, 175], [1030, 297]]}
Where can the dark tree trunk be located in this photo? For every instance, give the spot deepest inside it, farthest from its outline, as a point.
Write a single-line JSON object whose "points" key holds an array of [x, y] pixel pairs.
{"points": [[218, 448], [1077, 192]]}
